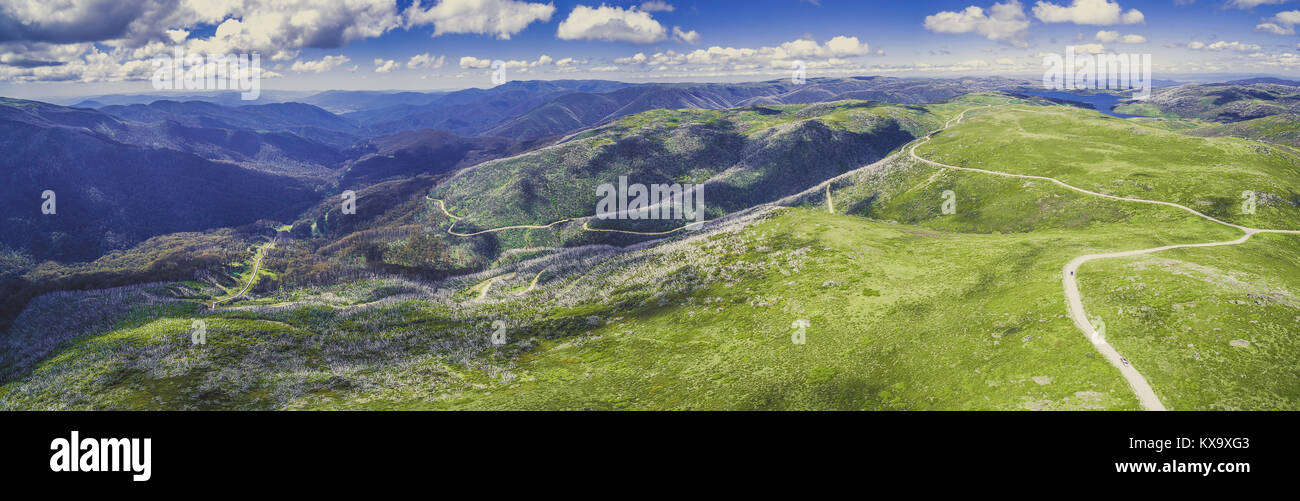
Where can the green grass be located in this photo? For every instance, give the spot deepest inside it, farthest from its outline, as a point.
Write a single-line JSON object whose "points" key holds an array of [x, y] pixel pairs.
{"points": [[1282, 129], [244, 276], [1177, 313], [900, 319], [908, 308], [1125, 158], [1143, 109], [676, 146]]}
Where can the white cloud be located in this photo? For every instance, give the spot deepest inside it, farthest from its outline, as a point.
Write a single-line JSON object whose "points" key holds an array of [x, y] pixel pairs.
{"points": [[639, 58], [832, 54], [614, 24], [846, 46], [279, 28], [1250, 4], [657, 6], [385, 65], [1285, 60], [544, 60], [128, 33], [1287, 17], [691, 37], [426, 61], [320, 66], [500, 18], [177, 36], [1089, 48], [1222, 45], [1005, 22], [1093, 12], [1114, 36], [474, 62], [1281, 24], [1275, 29]]}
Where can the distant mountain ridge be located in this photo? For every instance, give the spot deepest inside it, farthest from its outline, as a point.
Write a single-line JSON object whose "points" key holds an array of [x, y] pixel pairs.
{"points": [[1265, 80], [232, 164], [1227, 102], [304, 120], [521, 110], [422, 152], [576, 111], [111, 194]]}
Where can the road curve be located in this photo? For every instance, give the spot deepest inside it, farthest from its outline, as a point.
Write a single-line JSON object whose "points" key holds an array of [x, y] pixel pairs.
{"points": [[1141, 388], [586, 225], [257, 263]]}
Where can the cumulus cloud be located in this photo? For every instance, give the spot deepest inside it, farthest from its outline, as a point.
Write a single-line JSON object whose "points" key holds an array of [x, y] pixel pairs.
{"points": [[1222, 45], [320, 66], [1092, 12], [113, 40], [250, 25], [543, 62], [691, 37], [1281, 24], [1275, 29], [42, 62], [281, 27], [385, 65], [639, 58], [474, 62], [74, 21], [834, 53], [1286, 60], [1004, 22], [1104, 36], [614, 24], [425, 61], [500, 18]]}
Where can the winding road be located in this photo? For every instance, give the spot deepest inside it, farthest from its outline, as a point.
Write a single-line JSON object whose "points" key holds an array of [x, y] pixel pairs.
{"points": [[1146, 396], [1141, 388], [257, 263], [586, 225]]}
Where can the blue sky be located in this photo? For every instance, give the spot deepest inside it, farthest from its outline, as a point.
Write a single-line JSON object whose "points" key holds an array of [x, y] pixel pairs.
{"points": [[84, 47]]}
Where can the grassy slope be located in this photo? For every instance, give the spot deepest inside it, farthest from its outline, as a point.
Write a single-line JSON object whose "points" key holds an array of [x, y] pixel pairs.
{"points": [[1118, 157], [680, 146], [929, 312], [1283, 129], [1179, 312], [900, 318]]}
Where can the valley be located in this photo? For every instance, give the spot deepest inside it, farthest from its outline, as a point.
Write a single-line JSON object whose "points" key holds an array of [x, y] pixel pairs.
{"points": [[827, 216]]}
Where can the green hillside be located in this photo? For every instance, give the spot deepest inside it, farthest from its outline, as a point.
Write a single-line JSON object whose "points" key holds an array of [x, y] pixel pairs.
{"points": [[904, 307], [746, 156]]}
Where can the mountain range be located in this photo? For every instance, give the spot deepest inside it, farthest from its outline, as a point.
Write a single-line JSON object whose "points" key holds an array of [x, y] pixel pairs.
{"points": [[138, 181]]}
